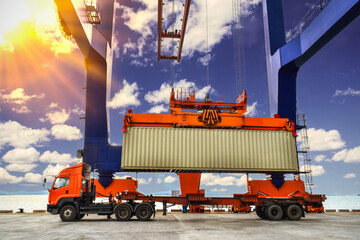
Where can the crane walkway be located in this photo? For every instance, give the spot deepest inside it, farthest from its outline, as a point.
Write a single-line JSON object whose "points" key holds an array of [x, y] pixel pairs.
{"points": [[314, 11]]}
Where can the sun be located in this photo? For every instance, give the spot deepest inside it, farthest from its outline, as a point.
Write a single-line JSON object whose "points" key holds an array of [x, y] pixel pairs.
{"points": [[39, 15], [12, 13]]}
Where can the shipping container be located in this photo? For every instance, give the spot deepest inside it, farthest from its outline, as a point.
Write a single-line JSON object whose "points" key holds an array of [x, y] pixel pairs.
{"points": [[206, 150]]}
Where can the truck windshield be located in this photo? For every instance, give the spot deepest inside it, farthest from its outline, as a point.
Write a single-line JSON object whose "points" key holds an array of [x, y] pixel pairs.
{"points": [[61, 182]]}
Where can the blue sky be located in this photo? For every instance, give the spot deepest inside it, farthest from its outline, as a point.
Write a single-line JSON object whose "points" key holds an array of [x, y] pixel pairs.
{"points": [[42, 75]]}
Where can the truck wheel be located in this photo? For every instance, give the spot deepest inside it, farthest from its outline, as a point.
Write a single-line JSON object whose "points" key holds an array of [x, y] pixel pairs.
{"points": [[123, 212], [274, 212], [260, 212], [144, 212], [68, 213], [294, 212]]}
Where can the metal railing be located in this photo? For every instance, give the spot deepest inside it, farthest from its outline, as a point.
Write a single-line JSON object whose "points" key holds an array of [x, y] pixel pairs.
{"points": [[305, 150], [314, 11]]}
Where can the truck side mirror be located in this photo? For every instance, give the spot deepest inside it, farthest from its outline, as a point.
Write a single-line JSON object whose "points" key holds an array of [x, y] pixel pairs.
{"points": [[79, 153], [44, 182]]}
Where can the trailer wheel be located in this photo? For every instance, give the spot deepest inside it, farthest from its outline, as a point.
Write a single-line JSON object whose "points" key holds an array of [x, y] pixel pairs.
{"points": [[274, 212], [144, 212], [260, 212], [294, 212], [68, 213], [123, 212]]}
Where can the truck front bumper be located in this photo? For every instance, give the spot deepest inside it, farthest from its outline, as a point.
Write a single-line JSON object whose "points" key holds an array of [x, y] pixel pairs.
{"points": [[52, 209]]}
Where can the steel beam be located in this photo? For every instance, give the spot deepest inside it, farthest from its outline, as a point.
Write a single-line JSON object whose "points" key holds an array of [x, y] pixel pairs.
{"points": [[164, 34], [160, 7], [183, 28]]}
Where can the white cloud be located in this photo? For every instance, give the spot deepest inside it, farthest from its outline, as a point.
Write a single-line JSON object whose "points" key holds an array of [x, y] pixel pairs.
{"points": [[16, 167], [52, 170], [158, 181], [205, 59], [77, 110], [210, 179], [140, 61], [56, 116], [170, 179], [16, 135], [322, 140], [6, 178], [141, 20], [122, 177], [144, 20], [45, 65], [319, 158], [218, 190], [316, 170], [128, 47], [348, 155], [55, 157], [33, 178], [21, 156], [53, 105], [219, 22], [158, 109], [21, 109], [163, 94], [350, 175], [66, 132], [347, 92], [142, 181], [127, 96], [18, 96], [251, 110]]}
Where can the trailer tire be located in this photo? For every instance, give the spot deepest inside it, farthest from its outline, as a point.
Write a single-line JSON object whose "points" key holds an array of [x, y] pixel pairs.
{"points": [[123, 212], [274, 212], [294, 212], [260, 212], [68, 213], [144, 212]]}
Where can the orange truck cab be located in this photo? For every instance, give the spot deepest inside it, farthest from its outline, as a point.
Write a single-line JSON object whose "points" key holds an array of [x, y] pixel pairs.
{"points": [[73, 193]]}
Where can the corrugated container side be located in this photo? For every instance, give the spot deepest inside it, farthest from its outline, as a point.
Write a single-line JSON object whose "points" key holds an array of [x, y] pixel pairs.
{"points": [[205, 150]]}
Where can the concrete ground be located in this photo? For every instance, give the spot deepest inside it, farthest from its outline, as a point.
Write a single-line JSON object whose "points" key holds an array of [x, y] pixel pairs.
{"points": [[174, 226]]}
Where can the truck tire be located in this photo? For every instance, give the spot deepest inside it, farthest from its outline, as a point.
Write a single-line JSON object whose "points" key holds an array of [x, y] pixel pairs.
{"points": [[68, 213], [260, 212], [144, 212], [123, 212], [294, 212], [274, 212]]}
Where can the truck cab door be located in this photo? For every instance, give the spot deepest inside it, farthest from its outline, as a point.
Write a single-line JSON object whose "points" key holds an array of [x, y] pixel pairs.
{"points": [[60, 189]]}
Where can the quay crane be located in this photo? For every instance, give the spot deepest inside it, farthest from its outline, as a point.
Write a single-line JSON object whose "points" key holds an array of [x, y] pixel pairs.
{"points": [[218, 137]]}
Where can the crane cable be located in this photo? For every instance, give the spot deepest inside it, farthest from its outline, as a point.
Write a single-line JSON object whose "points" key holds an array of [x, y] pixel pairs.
{"points": [[242, 49], [234, 26], [239, 57], [207, 46], [173, 44]]}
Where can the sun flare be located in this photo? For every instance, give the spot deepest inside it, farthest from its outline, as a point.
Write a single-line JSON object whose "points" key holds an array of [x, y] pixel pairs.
{"points": [[40, 15]]}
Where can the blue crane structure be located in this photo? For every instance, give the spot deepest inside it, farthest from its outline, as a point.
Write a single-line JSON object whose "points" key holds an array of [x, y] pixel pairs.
{"points": [[93, 34], [284, 59]]}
